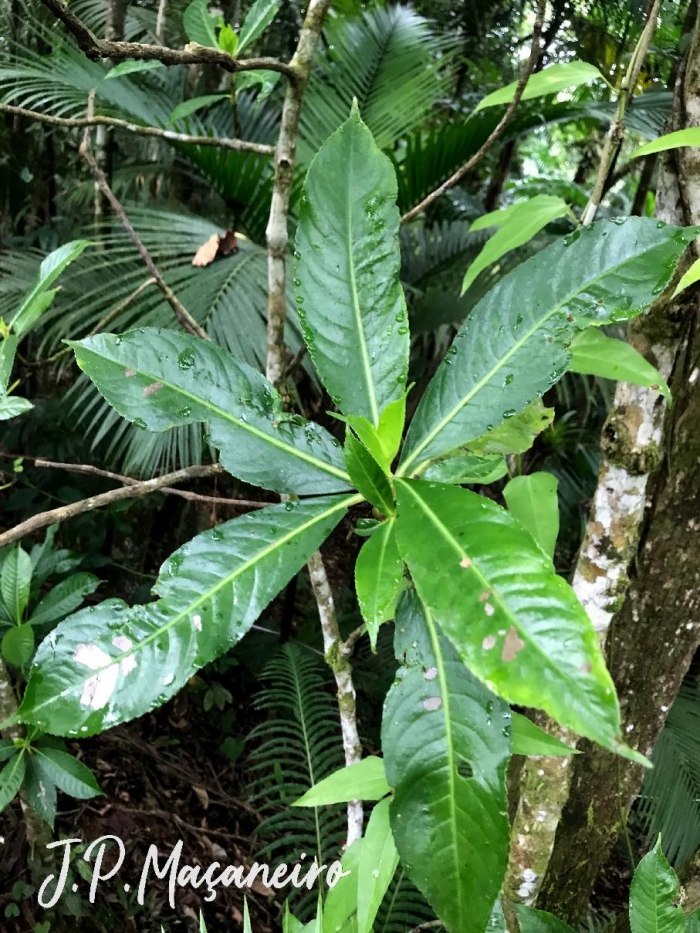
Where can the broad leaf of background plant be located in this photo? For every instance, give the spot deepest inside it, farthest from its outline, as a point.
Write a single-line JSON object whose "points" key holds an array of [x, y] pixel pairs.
{"points": [[654, 896], [110, 663], [532, 500], [548, 81], [446, 745], [515, 343], [351, 304], [200, 25], [257, 19], [495, 595], [595, 354], [15, 582], [160, 379], [39, 298]]}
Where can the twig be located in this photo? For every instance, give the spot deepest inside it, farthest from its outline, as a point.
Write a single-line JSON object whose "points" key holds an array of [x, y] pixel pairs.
{"points": [[500, 127], [160, 21], [616, 131], [184, 318], [348, 645], [169, 135], [192, 54], [134, 491]]}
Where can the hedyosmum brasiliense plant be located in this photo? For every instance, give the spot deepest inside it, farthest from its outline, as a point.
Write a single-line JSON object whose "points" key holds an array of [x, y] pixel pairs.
{"points": [[482, 619]]}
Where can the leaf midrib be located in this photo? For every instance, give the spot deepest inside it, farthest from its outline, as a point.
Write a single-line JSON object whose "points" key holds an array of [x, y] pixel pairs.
{"points": [[227, 416], [404, 467]]}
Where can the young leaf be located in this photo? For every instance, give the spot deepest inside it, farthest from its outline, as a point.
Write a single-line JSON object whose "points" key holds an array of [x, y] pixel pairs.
{"points": [[111, 663], [188, 107], [378, 576], [68, 774], [127, 68], [18, 644], [550, 80], [539, 921], [689, 277], [15, 582], [40, 790], [607, 271], [365, 780], [687, 137], [515, 623], [11, 778], [524, 221], [533, 501], [351, 303], [49, 270], [595, 354], [446, 747], [160, 378], [529, 739], [64, 598], [653, 896], [200, 25], [377, 867], [228, 40], [390, 430], [257, 19], [367, 476]]}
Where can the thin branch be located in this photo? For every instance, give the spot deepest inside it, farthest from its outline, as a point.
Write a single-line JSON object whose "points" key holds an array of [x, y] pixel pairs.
{"points": [[500, 127], [135, 490], [184, 318], [160, 21], [168, 135], [192, 54]]}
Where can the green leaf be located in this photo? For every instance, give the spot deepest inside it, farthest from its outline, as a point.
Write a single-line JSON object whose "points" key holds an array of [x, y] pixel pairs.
{"points": [[533, 501], [524, 220], [18, 644], [529, 739], [11, 778], [40, 790], [341, 900], [516, 624], [257, 19], [595, 354], [539, 921], [7, 749], [160, 379], [351, 304], [15, 582], [49, 270], [550, 80], [692, 922], [111, 663], [228, 40], [127, 68], [200, 25], [516, 434], [377, 867], [390, 430], [68, 774], [247, 928], [446, 748], [378, 578], [64, 598], [12, 405], [8, 348], [514, 344], [266, 79], [689, 277], [467, 468], [686, 137], [188, 107], [654, 894], [367, 476], [365, 780]]}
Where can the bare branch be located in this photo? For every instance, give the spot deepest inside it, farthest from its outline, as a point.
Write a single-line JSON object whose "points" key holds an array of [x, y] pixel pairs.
{"points": [[168, 135], [184, 318], [192, 54], [498, 130]]}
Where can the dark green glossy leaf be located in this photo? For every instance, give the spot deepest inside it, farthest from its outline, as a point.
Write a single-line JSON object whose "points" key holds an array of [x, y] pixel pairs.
{"points": [[367, 476], [11, 778], [15, 582], [110, 663], [68, 774], [533, 501], [351, 304], [494, 592], [446, 745], [18, 644], [159, 379], [654, 896], [514, 344], [64, 598], [378, 577]]}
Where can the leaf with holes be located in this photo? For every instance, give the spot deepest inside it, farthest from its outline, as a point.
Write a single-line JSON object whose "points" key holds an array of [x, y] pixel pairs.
{"points": [[110, 663], [515, 343], [516, 624], [160, 379], [446, 748], [351, 304]]}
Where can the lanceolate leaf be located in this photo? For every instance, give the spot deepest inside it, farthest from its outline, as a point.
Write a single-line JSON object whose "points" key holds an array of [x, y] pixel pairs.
{"points": [[514, 344], [533, 501], [529, 739], [351, 304], [110, 663], [654, 895], [548, 81], [40, 789], [378, 576], [65, 597], [377, 866], [367, 476], [687, 137], [365, 780], [515, 623], [36, 300], [446, 747], [594, 353], [258, 18], [15, 582], [18, 644], [160, 378], [11, 778], [68, 774]]}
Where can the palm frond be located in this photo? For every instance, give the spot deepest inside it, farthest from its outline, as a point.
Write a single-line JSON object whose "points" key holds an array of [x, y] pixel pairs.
{"points": [[403, 908]]}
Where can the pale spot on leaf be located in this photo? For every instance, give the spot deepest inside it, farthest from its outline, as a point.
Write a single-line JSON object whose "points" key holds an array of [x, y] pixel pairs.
{"points": [[489, 642], [512, 645], [431, 673], [129, 372], [152, 389], [465, 562], [432, 703], [197, 622], [488, 609], [484, 596]]}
